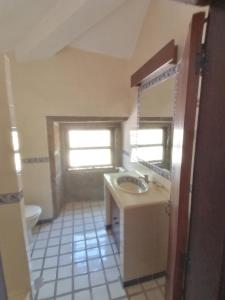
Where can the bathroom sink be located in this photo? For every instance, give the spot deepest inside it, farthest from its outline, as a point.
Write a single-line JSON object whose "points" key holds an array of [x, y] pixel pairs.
{"points": [[132, 184]]}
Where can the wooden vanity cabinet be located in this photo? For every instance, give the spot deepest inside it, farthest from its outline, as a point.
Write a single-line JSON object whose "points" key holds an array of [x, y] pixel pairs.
{"points": [[115, 221]]}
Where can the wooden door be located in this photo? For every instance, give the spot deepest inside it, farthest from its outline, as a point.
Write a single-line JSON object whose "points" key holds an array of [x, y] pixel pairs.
{"points": [[206, 271], [182, 153]]}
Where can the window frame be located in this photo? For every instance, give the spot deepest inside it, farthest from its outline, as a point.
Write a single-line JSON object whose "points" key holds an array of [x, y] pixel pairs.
{"points": [[166, 143], [115, 145], [16, 151]]}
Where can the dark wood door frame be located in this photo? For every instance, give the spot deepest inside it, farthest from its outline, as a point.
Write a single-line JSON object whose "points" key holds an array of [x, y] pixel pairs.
{"points": [[206, 271], [182, 157]]}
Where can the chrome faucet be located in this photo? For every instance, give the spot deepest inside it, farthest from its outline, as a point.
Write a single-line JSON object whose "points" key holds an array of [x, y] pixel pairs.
{"points": [[145, 178]]}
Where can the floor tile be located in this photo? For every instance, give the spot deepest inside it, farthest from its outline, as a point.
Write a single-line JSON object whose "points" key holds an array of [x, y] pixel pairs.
{"points": [[55, 233], [154, 294], [106, 250], [83, 295], [79, 256], [109, 261], [49, 274], [94, 264], [40, 244], [46, 291], [39, 253], [93, 253], [97, 278], [112, 274], [52, 251], [134, 289], [80, 268], [36, 264], [66, 248], [66, 297], [79, 245], [138, 297], [81, 282], [66, 239], [67, 230], [65, 271], [100, 293], [91, 243], [149, 284], [65, 259], [54, 241], [51, 262], [116, 290], [64, 286]]}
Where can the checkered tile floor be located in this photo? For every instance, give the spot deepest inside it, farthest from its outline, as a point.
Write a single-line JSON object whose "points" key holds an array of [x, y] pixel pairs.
{"points": [[74, 258]]}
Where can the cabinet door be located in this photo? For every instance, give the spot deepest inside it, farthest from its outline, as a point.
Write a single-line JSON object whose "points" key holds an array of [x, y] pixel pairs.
{"points": [[116, 223], [182, 156]]}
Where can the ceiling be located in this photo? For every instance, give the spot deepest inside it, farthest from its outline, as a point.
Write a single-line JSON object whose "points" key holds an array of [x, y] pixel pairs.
{"points": [[38, 29]]}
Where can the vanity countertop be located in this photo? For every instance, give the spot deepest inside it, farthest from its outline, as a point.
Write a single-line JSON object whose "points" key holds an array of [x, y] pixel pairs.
{"points": [[155, 194]]}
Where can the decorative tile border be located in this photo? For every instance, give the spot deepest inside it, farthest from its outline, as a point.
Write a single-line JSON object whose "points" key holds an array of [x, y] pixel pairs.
{"points": [[11, 198], [35, 160], [159, 78], [162, 172]]}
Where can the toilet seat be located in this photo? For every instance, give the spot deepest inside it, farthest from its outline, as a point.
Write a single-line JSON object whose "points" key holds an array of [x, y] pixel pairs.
{"points": [[32, 211]]}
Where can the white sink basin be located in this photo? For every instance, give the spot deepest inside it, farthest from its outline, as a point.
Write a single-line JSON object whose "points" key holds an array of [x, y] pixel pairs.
{"points": [[132, 184]]}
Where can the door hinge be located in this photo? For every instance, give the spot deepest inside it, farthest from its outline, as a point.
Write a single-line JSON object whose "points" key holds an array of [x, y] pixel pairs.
{"points": [[201, 60]]}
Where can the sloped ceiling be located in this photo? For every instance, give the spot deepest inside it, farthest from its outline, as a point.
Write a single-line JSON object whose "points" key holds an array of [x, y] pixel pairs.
{"points": [[38, 29]]}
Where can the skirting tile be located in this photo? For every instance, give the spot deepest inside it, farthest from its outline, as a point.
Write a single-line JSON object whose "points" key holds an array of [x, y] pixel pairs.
{"points": [[11, 198]]}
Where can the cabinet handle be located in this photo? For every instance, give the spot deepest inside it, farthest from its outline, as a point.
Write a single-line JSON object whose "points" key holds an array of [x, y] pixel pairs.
{"points": [[115, 218], [117, 223]]}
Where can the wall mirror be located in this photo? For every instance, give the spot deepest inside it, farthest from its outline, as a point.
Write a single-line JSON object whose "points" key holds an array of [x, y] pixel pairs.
{"points": [[151, 142], [154, 132]]}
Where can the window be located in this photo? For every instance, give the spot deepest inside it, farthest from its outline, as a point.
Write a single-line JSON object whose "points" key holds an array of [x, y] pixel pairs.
{"points": [[16, 149], [149, 144], [90, 148]]}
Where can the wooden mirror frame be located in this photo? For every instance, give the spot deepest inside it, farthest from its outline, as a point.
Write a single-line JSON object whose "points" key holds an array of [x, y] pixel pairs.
{"points": [[166, 56]]}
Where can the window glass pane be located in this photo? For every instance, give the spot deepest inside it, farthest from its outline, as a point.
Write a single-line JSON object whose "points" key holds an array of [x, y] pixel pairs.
{"points": [[133, 137], [90, 157], [17, 160], [15, 140], [154, 153], [150, 136], [89, 138]]}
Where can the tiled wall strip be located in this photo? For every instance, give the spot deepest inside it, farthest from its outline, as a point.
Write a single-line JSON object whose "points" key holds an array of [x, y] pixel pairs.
{"points": [[11, 198], [162, 172], [159, 78], [35, 160]]}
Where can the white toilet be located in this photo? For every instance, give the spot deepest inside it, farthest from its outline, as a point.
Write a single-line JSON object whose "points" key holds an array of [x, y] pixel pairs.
{"points": [[32, 214]]}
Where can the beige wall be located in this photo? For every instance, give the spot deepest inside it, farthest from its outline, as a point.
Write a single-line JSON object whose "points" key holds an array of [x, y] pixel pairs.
{"points": [[12, 222], [164, 21], [72, 83], [79, 83]]}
